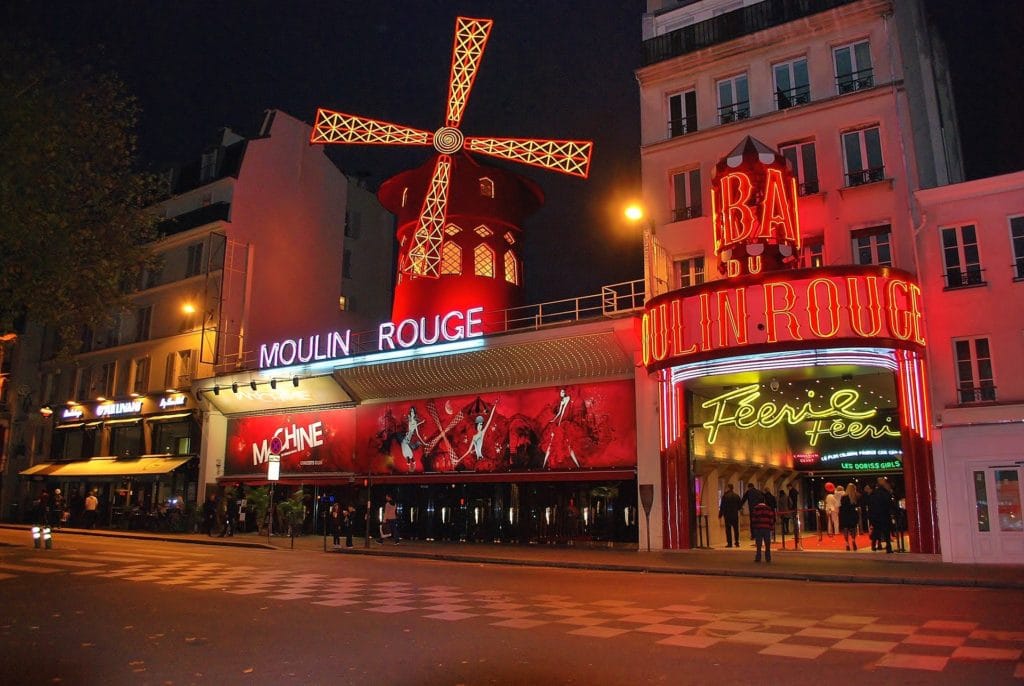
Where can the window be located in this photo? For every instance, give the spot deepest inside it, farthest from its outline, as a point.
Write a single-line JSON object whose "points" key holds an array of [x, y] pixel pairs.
{"points": [[686, 189], [960, 256], [151, 275], [733, 99], [689, 271], [172, 438], [451, 259], [682, 113], [511, 268], [126, 440], [792, 86], [871, 245], [452, 230], [105, 382], [509, 238], [862, 155], [853, 67], [486, 187], [140, 375], [208, 165], [974, 370], [83, 384], [143, 315], [1017, 244], [483, 261], [178, 372], [75, 444], [346, 264], [194, 264], [483, 231], [812, 252], [344, 303], [804, 162], [353, 224]]}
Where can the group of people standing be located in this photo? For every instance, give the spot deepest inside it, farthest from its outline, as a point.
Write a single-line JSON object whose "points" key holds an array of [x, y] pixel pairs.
{"points": [[847, 509], [339, 521], [762, 506]]}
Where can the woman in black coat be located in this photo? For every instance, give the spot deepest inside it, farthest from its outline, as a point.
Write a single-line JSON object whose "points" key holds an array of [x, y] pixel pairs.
{"points": [[849, 518]]}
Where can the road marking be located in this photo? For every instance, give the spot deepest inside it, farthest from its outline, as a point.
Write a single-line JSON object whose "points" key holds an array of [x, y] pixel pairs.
{"points": [[38, 569]]}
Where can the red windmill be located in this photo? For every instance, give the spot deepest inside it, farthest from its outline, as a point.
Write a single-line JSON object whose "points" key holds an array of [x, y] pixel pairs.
{"points": [[462, 248]]}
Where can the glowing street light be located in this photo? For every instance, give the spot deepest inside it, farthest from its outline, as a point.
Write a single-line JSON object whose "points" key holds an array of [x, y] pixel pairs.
{"points": [[188, 308]]}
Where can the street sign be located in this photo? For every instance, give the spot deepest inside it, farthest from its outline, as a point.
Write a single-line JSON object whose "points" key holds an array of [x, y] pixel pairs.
{"points": [[273, 467]]}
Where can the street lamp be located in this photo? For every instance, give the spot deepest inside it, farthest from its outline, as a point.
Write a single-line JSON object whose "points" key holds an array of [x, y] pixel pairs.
{"points": [[654, 254]]}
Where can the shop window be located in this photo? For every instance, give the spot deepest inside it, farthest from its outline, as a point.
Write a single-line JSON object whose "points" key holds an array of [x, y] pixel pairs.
{"points": [[733, 99], [686, 192], [1008, 500], [74, 444], [960, 256], [975, 381], [792, 85], [862, 156], [853, 67], [682, 113], [451, 259], [1017, 244], [511, 268], [126, 440], [872, 246], [804, 163], [981, 502], [173, 438], [486, 187], [483, 261], [688, 271]]}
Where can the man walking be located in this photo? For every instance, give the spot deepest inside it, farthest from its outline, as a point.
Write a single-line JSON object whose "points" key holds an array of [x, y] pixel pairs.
{"points": [[762, 522], [729, 511], [91, 503], [390, 519]]}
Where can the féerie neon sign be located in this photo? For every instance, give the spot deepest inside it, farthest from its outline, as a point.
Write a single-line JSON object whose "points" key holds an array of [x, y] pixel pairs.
{"points": [[835, 419], [456, 325]]}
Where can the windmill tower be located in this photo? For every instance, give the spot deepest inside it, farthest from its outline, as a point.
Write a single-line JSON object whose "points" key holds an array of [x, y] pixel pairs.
{"points": [[459, 221]]}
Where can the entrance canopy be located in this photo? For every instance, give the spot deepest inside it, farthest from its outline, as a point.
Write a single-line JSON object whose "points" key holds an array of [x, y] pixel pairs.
{"points": [[107, 467]]}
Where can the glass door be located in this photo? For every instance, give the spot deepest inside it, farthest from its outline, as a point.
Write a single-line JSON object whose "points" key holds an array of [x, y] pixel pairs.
{"points": [[998, 521]]}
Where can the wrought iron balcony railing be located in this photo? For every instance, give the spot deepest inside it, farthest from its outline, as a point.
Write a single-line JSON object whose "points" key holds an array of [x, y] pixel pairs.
{"points": [[957, 277], [863, 176], [732, 25], [977, 394], [1018, 268], [855, 81], [680, 127], [808, 187], [682, 213], [731, 113], [801, 95]]}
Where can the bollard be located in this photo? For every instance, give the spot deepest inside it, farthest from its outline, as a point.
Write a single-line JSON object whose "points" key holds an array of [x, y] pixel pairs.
{"points": [[37, 533], [47, 538]]}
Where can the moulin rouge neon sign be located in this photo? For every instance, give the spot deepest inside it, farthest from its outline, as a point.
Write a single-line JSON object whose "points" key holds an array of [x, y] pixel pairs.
{"points": [[409, 333], [836, 418]]}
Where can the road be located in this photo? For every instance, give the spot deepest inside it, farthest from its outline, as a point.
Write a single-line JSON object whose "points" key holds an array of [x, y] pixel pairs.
{"points": [[103, 611]]}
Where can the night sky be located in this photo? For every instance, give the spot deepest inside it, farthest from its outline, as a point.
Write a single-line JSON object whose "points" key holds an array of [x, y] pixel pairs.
{"points": [[552, 69]]}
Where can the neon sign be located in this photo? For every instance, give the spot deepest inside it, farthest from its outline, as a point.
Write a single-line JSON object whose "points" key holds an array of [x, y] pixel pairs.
{"points": [[288, 440], [456, 325], [836, 419], [177, 400], [72, 413], [113, 409], [854, 303]]}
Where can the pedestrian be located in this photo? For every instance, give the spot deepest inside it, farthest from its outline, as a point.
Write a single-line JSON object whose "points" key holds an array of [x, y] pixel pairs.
{"points": [[334, 523], [43, 504], [390, 524], [230, 517], [91, 503], [58, 509], [210, 514], [880, 512], [832, 512], [729, 512], [751, 498], [783, 501], [762, 522], [794, 506], [348, 523], [849, 518]]}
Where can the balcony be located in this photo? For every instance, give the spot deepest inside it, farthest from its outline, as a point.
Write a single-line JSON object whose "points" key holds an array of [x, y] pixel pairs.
{"points": [[963, 278], [855, 81], [977, 394], [683, 213], [808, 187], [801, 95], [864, 176], [732, 25], [218, 211], [735, 112], [681, 127]]}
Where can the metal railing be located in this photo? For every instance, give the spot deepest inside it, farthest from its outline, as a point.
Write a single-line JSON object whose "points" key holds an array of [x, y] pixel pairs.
{"points": [[732, 25], [977, 394], [808, 187], [1018, 268], [801, 95], [962, 278], [682, 126], [689, 212], [864, 176], [734, 112], [855, 81]]}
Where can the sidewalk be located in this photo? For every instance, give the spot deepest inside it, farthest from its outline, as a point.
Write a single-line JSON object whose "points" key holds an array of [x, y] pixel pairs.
{"points": [[912, 569]]}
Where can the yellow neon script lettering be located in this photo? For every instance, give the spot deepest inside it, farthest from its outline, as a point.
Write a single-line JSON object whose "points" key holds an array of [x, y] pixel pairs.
{"points": [[746, 415]]}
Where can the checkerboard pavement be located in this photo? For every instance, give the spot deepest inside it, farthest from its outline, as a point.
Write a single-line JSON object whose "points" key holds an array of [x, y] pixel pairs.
{"points": [[930, 646]]}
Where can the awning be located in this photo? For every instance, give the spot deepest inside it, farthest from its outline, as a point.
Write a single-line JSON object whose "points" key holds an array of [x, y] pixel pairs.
{"points": [[107, 466], [168, 417], [77, 425], [133, 420], [342, 478]]}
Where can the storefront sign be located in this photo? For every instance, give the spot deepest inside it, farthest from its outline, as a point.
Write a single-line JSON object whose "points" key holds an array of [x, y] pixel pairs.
{"points": [[177, 400], [408, 333], [874, 466], [847, 304], [836, 417], [115, 409], [71, 413], [287, 440]]}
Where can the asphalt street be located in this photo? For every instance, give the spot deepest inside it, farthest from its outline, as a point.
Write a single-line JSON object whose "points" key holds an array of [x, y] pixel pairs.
{"points": [[111, 611]]}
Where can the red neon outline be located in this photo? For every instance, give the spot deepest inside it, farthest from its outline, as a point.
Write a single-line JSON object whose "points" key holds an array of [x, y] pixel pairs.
{"points": [[814, 308]]}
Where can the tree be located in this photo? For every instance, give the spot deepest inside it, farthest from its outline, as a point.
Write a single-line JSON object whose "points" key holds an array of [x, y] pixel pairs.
{"points": [[73, 223], [293, 513]]}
